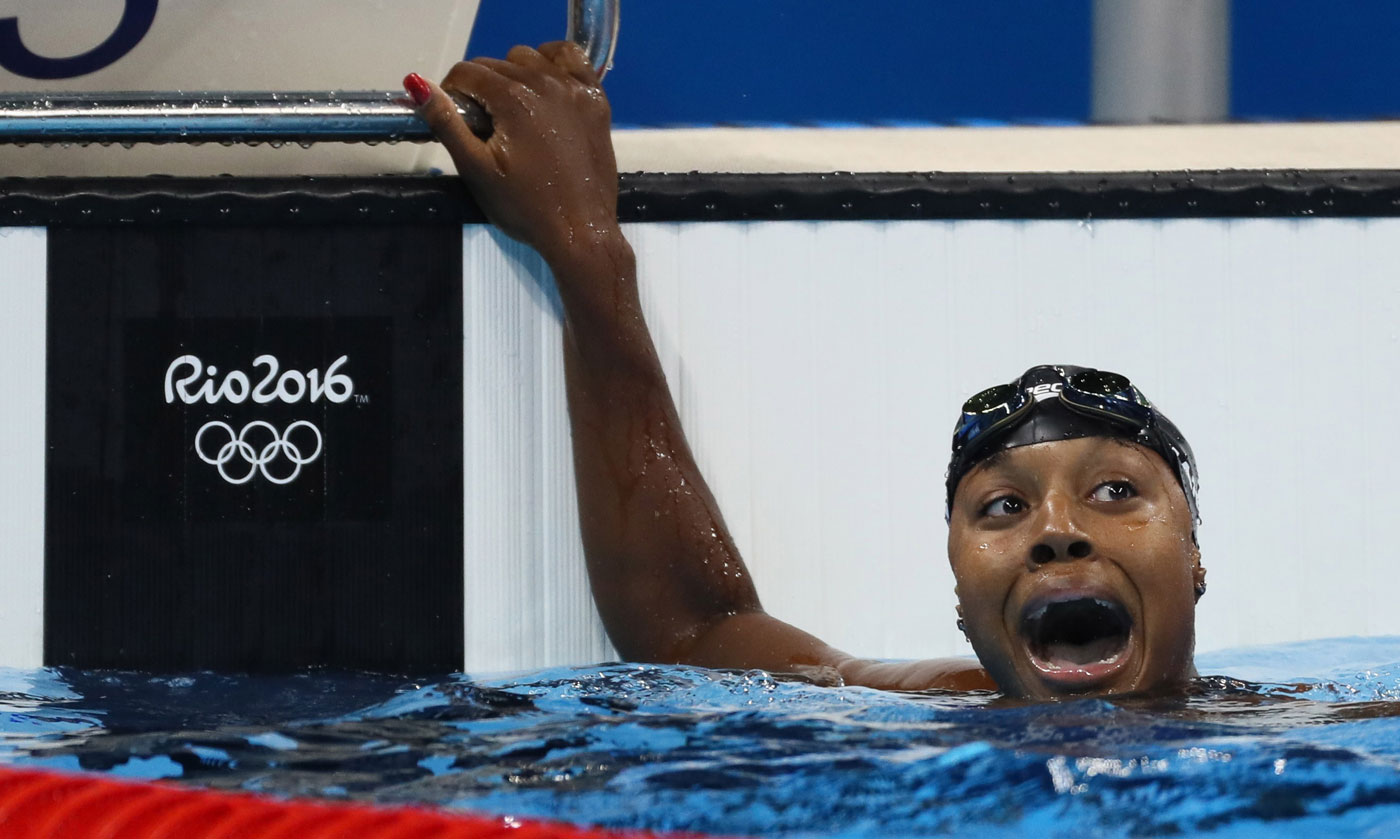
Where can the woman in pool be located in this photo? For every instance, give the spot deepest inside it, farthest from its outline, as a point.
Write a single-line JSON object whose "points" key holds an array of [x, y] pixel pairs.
{"points": [[1071, 499]]}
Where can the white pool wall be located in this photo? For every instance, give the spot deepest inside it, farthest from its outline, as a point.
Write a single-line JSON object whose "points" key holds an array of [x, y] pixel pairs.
{"points": [[23, 307], [818, 368]]}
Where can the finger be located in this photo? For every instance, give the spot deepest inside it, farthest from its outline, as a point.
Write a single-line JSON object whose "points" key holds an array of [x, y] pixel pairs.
{"points": [[570, 58], [469, 154], [525, 76], [529, 57], [478, 79], [499, 95]]}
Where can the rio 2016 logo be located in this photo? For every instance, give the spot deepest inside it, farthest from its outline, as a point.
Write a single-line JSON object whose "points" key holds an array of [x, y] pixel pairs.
{"points": [[137, 17], [259, 447], [290, 387]]}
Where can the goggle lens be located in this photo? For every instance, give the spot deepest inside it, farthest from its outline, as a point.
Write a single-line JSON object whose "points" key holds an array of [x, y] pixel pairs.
{"points": [[993, 398], [1102, 383], [1109, 395], [988, 410]]}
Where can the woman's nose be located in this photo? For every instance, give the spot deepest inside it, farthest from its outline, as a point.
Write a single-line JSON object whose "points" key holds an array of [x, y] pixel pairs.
{"points": [[1051, 549], [1059, 538]]}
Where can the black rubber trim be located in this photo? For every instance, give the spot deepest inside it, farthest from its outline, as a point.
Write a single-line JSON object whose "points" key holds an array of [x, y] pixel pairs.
{"points": [[228, 200], [1235, 193], [715, 197]]}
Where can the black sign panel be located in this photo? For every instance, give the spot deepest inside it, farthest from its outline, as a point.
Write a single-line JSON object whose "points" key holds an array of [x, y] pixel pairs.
{"points": [[255, 448]]}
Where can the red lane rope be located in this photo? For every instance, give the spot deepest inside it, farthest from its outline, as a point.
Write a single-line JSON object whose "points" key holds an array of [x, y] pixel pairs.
{"points": [[51, 805]]}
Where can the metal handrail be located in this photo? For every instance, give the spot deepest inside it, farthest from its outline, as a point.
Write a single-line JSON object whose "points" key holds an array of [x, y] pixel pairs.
{"points": [[593, 26], [274, 118]]}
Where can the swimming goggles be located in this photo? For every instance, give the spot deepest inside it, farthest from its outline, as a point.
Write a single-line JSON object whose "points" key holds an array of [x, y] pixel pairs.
{"points": [[1097, 393], [1100, 395]]}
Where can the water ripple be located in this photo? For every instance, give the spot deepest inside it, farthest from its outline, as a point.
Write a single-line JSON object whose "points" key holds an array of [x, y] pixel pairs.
{"points": [[1311, 746]]}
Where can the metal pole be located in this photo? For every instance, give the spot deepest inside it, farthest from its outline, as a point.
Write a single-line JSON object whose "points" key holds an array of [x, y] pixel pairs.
{"points": [[219, 117], [1161, 61], [593, 26], [210, 118]]}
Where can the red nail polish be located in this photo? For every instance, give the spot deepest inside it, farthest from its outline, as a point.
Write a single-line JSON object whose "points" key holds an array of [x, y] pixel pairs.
{"points": [[417, 88]]}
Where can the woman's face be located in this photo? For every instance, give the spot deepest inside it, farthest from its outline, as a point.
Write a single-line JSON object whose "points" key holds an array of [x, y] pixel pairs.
{"points": [[1076, 571]]}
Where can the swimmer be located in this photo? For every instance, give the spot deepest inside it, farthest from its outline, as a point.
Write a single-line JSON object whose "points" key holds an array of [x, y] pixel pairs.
{"points": [[1071, 505]]}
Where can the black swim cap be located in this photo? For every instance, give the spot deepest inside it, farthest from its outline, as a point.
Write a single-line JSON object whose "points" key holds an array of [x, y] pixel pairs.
{"points": [[1064, 402]]}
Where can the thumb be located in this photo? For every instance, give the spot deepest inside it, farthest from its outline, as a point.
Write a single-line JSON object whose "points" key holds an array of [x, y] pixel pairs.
{"points": [[439, 111]]}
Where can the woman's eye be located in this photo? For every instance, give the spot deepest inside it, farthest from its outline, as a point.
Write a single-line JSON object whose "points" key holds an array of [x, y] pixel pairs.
{"points": [[1006, 505], [1114, 491]]}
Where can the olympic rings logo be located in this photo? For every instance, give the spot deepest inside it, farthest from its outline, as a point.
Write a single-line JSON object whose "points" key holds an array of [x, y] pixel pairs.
{"points": [[249, 447]]}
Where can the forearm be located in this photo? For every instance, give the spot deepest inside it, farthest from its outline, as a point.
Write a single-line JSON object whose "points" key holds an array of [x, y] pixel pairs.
{"points": [[661, 562], [596, 274]]}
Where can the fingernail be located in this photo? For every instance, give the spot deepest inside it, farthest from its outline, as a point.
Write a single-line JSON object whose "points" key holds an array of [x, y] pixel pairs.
{"points": [[418, 88]]}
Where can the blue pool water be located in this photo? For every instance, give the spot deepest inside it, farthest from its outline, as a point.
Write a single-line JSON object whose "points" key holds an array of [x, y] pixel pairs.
{"points": [[748, 753]]}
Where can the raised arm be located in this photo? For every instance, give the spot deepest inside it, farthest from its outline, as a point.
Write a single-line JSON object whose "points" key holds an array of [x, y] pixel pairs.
{"points": [[666, 577]]}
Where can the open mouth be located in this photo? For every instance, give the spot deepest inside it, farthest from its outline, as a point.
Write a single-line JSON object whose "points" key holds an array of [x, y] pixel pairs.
{"points": [[1077, 642]]}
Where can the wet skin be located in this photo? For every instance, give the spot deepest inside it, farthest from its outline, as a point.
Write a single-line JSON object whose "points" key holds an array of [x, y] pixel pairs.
{"points": [[666, 575], [1090, 518]]}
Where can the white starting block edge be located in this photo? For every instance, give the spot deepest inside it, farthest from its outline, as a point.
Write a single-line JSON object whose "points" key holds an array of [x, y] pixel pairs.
{"points": [[1152, 148]]}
